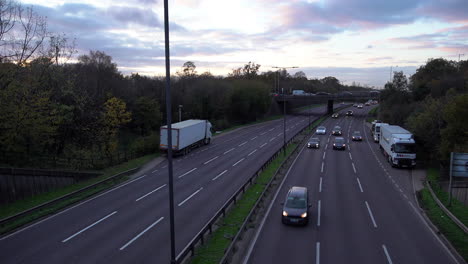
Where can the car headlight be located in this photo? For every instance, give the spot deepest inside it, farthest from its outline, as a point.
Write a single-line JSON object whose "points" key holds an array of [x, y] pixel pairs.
{"points": [[304, 215], [285, 213], [334, 144], [317, 145]]}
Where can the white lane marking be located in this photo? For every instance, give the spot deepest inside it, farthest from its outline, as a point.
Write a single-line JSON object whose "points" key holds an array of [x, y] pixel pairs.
{"points": [[88, 227], [252, 152], [317, 256], [273, 138], [165, 166], [371, 215], [261, 134], [350, 157], [354, 168], [239, 161], [359, 183], [254, 138], [386, 254], [318, 214], [326, 146], [154, 171], [349, 147], [279, 134], [320, 186], [324, 155], [322, 167], [271, 129], [187, 172], [228, 151], [287, 129], [328, 141], [190, 197], [242, 144], [206, 162], [219, 175], [263, 145], [155, 190], [139, 235]]}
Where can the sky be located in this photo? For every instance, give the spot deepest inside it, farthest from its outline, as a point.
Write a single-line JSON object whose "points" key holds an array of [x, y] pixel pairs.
{"points": [[359, 41]]}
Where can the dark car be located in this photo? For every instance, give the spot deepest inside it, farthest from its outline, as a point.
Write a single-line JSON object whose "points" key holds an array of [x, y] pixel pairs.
{"points": [[313, 143], [349, 113], [335, 115], [339, 143], [296, 206], [356, 136], [336, 131]]}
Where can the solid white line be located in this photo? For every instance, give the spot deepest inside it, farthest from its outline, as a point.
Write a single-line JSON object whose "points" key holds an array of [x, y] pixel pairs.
{"points": [[188, 198], [206, 162], [318, 215], [239, 161], [317, 255], [154, 171], [155, 190], [386, 254], [228, 151], [350, 157], [324, 155], [88, 227], [263, 145], [187, 172], [139, 235], [242, 144], [359, 183], [370, 213], [273, 138], [320, 186], [219, 175], [252, 152], [254, 138], [354, 168], [322, 167]]}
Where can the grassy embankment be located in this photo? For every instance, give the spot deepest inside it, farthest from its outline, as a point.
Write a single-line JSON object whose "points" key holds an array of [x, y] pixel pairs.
{"points": [[451, 231]]}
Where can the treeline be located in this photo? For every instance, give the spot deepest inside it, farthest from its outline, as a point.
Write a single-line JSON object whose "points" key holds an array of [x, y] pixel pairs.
{"points": [[433, 104]]}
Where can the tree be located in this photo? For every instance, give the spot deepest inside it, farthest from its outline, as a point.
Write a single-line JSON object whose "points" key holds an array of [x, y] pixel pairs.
{"points": [[300, 75], [188, 70], [147, 116], [115, 115], [454, 135], [250, 70]]}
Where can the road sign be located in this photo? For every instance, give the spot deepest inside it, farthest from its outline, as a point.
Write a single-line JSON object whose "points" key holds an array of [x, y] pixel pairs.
{"points": [[459, 165]]}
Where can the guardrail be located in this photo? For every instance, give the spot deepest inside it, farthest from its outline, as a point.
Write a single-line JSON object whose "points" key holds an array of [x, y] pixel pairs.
{"points": [[446, 211], [199, 237], [12, 218]]}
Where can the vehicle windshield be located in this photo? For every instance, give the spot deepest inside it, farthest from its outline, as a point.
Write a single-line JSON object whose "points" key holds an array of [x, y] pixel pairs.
{"points": [[377, 129], [339, 140], [337, 128], [356, 133], [405, 148], [314, 140], [321, 128], [296, 202]]}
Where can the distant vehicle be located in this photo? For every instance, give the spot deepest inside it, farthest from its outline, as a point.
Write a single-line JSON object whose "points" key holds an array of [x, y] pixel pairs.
{"points": [[298, 92], [349, 113], [296, 206], [398, 146], [339, 143], [322, 93], [367, 103], [314, 143], [186, 135], [355, 105], [336, 131], [335, 115], [360, 106], [377, 131], [373, 125], [356, 136], [321, 130]]}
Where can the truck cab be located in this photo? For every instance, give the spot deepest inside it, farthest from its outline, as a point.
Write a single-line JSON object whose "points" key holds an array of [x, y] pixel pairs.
{"points": [[398, 146]]}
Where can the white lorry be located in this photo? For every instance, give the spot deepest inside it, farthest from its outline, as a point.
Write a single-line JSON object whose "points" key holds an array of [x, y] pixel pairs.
{"points": [[186, 135], [377, 129], [398, 146], [298, 92]]}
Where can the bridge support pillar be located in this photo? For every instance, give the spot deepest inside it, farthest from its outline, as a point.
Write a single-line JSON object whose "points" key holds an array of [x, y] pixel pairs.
{"points": [[330, 107]]}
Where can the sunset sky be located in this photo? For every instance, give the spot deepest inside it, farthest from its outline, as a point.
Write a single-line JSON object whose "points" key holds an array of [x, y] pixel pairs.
{"points": [[353, 40]]}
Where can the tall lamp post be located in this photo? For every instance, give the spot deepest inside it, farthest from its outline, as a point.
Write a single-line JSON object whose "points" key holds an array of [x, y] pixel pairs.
{"points": [[284, 105], [180, 112], [169, 128]]}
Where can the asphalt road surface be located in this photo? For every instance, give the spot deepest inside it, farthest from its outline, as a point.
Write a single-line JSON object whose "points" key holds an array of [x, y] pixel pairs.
{"points": [[130, 223], [363, 210]]}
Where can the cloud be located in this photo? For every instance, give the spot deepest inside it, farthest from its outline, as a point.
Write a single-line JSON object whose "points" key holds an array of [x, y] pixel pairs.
{"points": [[134, 15]]}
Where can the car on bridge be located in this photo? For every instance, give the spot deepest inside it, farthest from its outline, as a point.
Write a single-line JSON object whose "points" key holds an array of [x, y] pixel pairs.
{"points": [[335, 115], [321, 130], [349, 113], [339, 143], [314, 143], [356, 136], [336, 131], [296, 206]]}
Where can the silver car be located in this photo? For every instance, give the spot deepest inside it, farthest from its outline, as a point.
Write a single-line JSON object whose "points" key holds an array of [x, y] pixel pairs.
{"points": [[321, 130]]}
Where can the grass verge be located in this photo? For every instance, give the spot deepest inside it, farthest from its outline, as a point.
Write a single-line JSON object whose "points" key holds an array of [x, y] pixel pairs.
{"points": [[251, 123], [22, 205], [219, 241], [372, 115], [451, 231]]}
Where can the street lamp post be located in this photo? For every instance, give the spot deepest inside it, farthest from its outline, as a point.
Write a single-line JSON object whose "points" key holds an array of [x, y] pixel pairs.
{"points": [[284, 106], [180, 113]]}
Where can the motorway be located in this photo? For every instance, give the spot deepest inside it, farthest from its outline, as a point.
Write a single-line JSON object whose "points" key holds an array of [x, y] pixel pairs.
{"points": [[130, 223], [363, 210]]}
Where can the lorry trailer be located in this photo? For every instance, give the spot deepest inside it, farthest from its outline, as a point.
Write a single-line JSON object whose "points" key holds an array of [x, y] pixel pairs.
{"points": [[186, 135]]}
